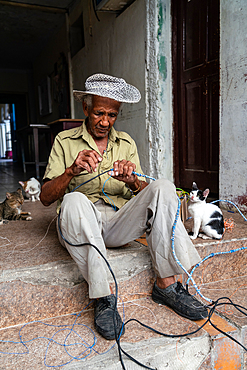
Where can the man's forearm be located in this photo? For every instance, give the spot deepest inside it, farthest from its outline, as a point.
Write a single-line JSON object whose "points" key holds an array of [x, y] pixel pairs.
{"points": [[54, 189]]}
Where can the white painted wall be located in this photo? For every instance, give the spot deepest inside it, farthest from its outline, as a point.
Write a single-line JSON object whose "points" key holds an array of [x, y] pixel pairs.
{"points": [[116, 46], [159, 112], [136, 46], [233, 102]]}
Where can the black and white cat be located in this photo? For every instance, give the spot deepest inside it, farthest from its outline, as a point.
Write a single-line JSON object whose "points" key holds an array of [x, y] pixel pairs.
{"points": [[31, 188], [206, 216]]}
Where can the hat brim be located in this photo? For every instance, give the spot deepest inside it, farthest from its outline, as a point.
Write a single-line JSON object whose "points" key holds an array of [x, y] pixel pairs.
{"points": [[131, 96]]}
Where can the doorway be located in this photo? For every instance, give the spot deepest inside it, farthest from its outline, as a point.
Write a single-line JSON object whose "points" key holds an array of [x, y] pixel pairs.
{"points": [[18, 118], [5, 131], [196, 93]]}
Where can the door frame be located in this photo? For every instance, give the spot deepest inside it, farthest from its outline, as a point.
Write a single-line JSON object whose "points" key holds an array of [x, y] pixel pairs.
{"points": [[176, 90]]}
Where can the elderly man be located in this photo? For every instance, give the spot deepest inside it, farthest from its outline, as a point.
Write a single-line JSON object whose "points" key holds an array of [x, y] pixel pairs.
{"points": [[115, 210]]}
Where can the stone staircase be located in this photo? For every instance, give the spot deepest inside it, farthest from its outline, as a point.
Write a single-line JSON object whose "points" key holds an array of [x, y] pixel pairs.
{"points": [[47, 319]]}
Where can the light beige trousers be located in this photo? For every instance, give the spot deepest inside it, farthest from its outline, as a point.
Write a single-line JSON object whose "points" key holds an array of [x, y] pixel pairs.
{"points": [[152, 211]]}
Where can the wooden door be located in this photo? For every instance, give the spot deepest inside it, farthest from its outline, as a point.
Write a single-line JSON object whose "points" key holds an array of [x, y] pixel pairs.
{"points": [[196, 92]]}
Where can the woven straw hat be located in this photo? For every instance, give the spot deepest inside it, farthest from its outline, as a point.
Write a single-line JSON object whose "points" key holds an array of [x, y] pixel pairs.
{"points": [[109, 87]]}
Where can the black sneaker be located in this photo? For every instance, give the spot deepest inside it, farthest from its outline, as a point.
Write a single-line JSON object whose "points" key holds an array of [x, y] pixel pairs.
{"points": [[182, 302], [104, 316]]}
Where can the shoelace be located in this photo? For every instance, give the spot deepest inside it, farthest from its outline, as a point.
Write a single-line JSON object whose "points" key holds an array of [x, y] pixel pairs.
{"points": [[105, 303], [180, 289]]}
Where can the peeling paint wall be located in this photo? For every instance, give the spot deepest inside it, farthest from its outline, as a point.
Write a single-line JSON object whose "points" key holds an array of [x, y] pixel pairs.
{"points": [[136, 46], [116, 46], [159, 92], [233, 102]]}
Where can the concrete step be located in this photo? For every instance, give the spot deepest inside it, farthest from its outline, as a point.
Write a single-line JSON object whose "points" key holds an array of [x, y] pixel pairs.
{"points": [[39, 281], [52, 343]]}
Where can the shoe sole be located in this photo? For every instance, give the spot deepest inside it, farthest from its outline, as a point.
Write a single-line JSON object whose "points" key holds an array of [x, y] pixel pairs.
{"points": [[108, 337]]}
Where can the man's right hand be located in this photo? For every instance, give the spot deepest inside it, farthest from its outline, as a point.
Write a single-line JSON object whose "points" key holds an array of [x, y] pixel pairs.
{"points": [[87, 160]]}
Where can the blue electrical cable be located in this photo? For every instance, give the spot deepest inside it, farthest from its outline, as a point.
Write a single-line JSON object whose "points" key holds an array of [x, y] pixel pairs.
{"points": [[110, 200], [228, 201], [175, 256], [173, 229], [83, 183], [142, 175], [117, 337], [210, 256], [218, 253], [190, 278], [88, 347], [102, 173]]}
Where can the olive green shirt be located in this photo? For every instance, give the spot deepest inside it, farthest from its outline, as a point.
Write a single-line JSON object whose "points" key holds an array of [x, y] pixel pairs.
{"points": [[65, 149]]}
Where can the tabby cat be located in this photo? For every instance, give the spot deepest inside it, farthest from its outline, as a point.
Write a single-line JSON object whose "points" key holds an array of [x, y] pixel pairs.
{"points": [[10, 208]]}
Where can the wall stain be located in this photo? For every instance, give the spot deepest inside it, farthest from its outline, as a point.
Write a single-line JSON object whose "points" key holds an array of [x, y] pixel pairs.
{"points": [[160, 21], [162, 61], [241, 201]]}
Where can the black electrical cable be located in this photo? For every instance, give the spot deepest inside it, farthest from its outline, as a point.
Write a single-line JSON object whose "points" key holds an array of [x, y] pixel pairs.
{"points": [[115, 281], [213, 305], [120, 349]]}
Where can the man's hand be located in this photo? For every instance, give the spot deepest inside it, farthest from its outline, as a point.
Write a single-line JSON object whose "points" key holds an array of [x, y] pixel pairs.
{"points": [[122, 171], [87, 160], [52, 190]]}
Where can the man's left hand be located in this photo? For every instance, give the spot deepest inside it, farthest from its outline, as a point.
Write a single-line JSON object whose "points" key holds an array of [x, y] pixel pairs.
{"points": [[122, 171]]}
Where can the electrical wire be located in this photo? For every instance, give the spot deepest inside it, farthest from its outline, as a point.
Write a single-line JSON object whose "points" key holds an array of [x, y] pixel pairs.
{"points": [[212, 310], [218, 253], [214, 305], [116, 287], [228, 201], [110, 200], [116, 290], [190, 278]]}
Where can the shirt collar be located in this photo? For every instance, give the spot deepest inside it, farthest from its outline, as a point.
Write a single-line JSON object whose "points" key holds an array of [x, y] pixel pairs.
{"points": [[82, 131], [114, 136]]}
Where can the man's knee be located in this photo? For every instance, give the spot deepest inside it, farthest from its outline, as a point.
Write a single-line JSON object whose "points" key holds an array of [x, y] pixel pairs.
{"points": [[163, 185], [74, 200]]}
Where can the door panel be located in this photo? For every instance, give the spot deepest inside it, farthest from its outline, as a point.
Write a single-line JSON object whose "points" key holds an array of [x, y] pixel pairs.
{"points": [[196, 29]]}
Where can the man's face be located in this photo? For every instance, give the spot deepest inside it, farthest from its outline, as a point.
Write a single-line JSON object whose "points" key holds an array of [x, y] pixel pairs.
{"points": [[101, 116]]}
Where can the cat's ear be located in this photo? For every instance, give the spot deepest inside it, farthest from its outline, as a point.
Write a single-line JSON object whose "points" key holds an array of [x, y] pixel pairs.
{"points": [[21, 183], [194, 186], [205, 193], [8, 195], [19, 190]]}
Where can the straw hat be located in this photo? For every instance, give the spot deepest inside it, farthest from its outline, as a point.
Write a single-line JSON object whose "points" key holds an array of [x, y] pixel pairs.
{"points": [[109, 87]]}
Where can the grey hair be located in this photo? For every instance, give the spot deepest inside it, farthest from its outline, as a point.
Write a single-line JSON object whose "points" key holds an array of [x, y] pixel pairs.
{"points": [[88, 99]]}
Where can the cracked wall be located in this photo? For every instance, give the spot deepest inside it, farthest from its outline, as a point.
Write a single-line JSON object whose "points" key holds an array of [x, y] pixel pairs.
{"points": [[233, 102]]}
